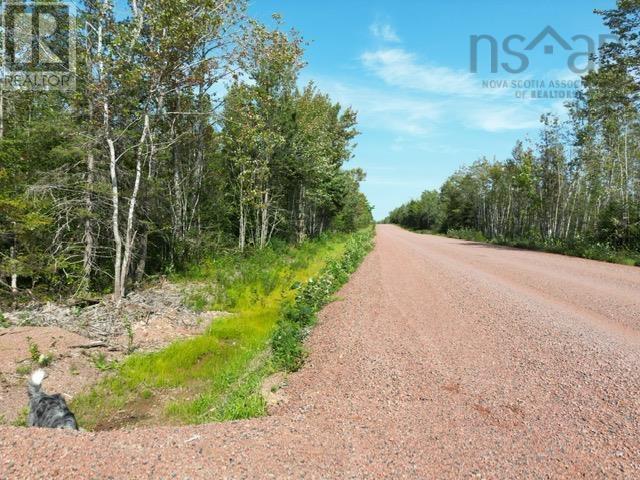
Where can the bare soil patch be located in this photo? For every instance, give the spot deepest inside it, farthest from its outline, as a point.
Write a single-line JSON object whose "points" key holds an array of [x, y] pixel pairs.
{"points": [[78, 344], [272, 389], [70, 370]]}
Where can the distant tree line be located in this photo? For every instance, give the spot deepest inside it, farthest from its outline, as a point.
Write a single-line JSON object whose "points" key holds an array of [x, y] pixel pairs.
{"points": [[145, 168], [579, 182]]}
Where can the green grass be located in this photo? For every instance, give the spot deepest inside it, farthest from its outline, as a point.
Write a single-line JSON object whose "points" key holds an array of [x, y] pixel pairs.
{"points": [[583, 248], [21, 419], [101, 363], [299, 316], [215, 376], [24, 369]]}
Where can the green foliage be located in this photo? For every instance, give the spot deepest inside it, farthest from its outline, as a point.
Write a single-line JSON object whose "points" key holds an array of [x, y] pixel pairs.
{"points": [[425, 213], [101, 363], [297, 317], [34, 350], [239, 281], [466, 234], [37, 357], [24, 369], [216, 376], [577, 190], [543, 199], [21, 420], [191, 178], [293, 150], [577, 247], [354, 210]]}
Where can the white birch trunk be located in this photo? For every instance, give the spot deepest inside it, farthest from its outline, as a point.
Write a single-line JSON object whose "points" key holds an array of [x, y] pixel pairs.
{"points": [[115, 225], [14, 275], [264, 219], [130, 234]]}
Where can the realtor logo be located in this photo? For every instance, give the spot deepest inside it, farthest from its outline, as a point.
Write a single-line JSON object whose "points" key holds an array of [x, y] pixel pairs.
{"points": [[580, 50], [548, 48], [38, 46]]}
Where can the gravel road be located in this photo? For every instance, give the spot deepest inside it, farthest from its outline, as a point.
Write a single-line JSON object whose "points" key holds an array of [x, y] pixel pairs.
{"points": [[442, 359]]}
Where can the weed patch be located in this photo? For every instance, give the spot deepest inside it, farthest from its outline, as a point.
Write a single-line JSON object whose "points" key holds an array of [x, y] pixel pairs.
{"points": [[297, 318], [217, 376]]}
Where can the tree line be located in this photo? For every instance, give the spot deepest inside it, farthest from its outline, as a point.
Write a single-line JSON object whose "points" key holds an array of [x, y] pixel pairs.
{"points": [[187, 133], [580, 182]]}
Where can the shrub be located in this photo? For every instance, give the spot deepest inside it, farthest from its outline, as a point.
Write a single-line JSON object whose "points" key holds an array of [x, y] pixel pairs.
{"points": [[37, 357], [296, 318], [466, 234]]}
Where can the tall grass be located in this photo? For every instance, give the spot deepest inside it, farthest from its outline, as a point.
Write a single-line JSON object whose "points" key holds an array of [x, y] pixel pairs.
{"points": [[216, 376]]}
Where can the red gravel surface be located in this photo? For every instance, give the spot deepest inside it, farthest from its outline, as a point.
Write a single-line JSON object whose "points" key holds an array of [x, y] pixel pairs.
{"points": [[443, 359]]}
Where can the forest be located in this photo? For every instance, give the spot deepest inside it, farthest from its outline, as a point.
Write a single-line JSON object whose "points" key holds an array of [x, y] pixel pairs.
{"points": [[577, 188], [188, 134]]}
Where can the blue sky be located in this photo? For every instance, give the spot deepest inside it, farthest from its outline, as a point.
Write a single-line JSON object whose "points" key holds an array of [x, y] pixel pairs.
{"points": [[404, 66]]}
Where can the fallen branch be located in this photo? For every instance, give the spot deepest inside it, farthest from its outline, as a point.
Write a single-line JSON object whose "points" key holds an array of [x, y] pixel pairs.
{"points": [[90, 345], [10, 332]]}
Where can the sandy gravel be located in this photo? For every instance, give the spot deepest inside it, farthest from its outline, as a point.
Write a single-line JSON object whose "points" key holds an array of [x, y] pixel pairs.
{"points": [[444, 359]]}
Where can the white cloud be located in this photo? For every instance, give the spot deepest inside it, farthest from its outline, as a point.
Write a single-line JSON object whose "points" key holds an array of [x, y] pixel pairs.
{"points": [[498, 118], [461, 97], [411, 115], [417, 100], [402, 114], [400, 68], [384, 31]]}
